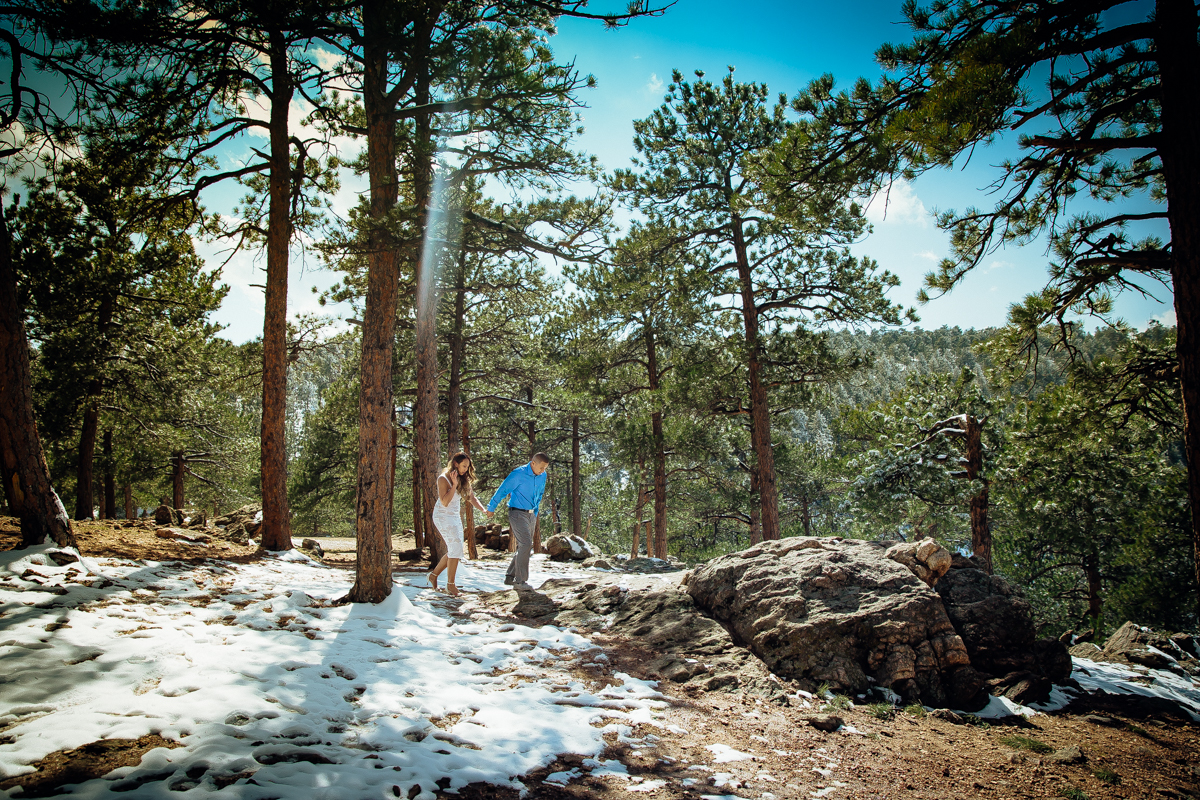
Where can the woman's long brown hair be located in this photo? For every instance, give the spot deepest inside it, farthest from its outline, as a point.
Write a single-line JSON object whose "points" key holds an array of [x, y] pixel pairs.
{"points": [[453, 463]]}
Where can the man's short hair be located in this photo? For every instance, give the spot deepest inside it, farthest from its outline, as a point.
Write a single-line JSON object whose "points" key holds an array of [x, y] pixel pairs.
{"points": [[542, 457]]}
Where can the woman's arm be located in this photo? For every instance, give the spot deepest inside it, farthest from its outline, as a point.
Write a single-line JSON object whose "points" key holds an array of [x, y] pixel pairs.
{"points": [[478, 503]]}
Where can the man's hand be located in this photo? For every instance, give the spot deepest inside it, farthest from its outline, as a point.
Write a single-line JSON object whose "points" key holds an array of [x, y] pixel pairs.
{"points": [[490, 514]]}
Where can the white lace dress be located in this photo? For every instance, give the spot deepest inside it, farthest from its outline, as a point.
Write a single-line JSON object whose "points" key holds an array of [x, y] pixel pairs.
{"points": [[448, 521]]}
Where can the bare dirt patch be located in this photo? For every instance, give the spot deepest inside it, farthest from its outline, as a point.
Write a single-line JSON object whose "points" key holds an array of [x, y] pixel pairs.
{"points": [[92, 760], [135, 539]]}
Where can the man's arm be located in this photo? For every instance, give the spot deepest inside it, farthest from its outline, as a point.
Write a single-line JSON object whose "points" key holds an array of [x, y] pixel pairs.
{"points": [[504, 490], [538, 491]]}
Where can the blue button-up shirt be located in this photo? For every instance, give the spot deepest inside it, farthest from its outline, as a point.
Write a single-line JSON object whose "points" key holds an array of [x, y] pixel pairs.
{"points": [[525, 487]]}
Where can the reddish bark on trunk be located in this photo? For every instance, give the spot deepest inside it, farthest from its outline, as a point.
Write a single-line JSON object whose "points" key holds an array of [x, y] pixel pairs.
{"points": [[760, 410], [373, 574], [276, 531], [129, 502]]}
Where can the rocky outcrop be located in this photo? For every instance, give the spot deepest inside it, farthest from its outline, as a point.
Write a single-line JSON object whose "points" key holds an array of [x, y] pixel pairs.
{"points": [[564, 547], [927, 559], [841, 612], [684, 645], [238, 526], [1138, 644]]}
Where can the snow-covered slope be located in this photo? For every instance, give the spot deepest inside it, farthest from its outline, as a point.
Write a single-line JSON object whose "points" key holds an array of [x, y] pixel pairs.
{"points": [[252, 669]]}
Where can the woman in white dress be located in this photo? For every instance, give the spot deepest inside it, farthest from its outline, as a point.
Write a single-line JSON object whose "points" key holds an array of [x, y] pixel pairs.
{"points": [[456, 480]]}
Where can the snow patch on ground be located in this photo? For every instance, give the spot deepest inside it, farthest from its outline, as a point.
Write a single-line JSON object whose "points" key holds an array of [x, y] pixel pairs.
{"points": [[253, 670], [1103, 676]]}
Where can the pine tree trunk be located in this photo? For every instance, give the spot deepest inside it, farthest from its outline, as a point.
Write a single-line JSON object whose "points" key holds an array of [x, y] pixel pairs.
{"points": [[640, 507], [760, 409], [806, 515], [637, 529], [660, 455], [454, 380], [276, 531], [576, 488], [373, 575], [1091, 567], [110, 480], [178, 465], [27, 477], [86, 456], [469, 526], [981, 534], [129, 502], [85, 465], [418, 516], [1179, 66]]}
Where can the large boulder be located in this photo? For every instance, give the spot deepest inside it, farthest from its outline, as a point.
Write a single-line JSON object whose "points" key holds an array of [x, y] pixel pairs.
{"points": [[563, 547], [996, 625], [842, 612], [165, 515]]}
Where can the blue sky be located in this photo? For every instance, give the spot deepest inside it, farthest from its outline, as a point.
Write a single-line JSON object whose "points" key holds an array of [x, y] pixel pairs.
{"points": [[782, 44]]}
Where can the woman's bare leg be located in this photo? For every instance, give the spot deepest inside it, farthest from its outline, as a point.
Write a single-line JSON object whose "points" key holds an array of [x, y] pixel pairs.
{"points": [[451, 569], [433, 576]]}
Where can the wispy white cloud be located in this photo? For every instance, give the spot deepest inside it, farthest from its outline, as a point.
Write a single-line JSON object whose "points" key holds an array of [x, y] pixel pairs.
{"points": [[1166, 318], [897, 203], [655, 84], [928, 255]]}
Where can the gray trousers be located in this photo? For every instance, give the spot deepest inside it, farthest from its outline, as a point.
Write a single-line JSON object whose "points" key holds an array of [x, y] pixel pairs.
{"points": [[520, 522]]}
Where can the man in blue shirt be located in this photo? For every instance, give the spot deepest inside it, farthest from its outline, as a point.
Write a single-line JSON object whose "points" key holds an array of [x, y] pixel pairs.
{"points": [[526, 484]]}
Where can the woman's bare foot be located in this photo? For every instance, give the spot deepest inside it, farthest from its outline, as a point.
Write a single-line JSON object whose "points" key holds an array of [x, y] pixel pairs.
{"points": [[432, 578], [451, 590]]}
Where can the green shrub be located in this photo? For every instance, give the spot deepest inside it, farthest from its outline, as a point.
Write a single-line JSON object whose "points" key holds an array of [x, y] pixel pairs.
{"points": [[1026, 743], [1106, 775], [882, 710], [1071, 793], [916, 710]]}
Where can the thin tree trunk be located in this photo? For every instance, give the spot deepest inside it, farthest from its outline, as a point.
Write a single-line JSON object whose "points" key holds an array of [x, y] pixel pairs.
{"points": [[276, 531], [392, 472], [1091, 567], [418, 515], [454, 381], [806, 515], [129, 502], [576, 488], [660, 455], [537, 533], [178, 465], [1179, 66], [760, 410], [587, 531], [981, 534], [373, 576], [85, 464], [84, 478], [26, 475], [110, 479], [469, 526], [637, 530], [641, 505]]}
